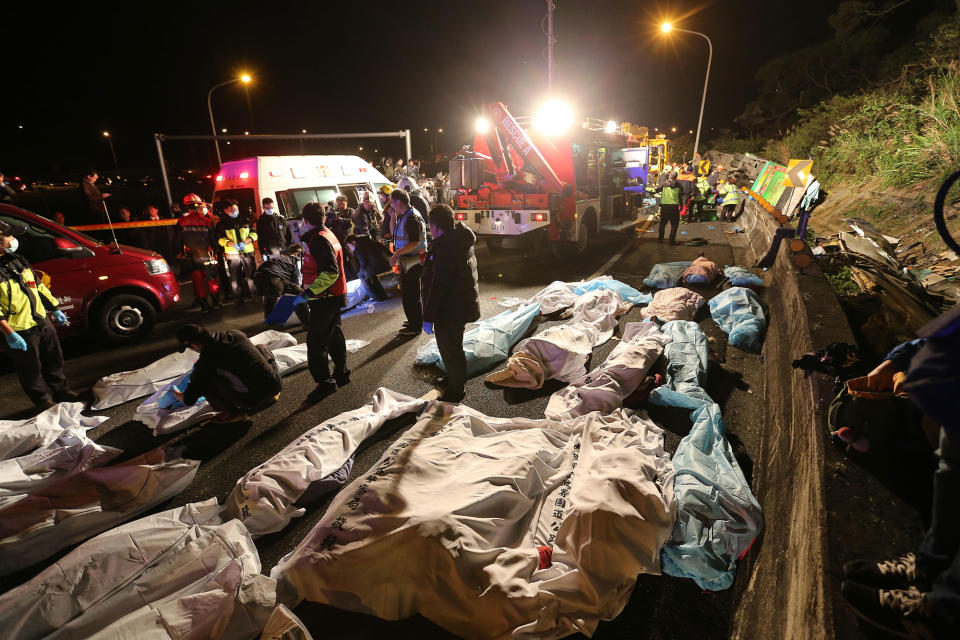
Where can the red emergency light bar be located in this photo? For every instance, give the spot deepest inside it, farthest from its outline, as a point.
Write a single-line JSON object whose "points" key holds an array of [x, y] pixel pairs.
{"points": [[461, 216], [538, 217]]}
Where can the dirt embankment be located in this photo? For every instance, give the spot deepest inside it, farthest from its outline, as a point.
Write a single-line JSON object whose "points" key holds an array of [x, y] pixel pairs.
{"points": [[904, 213]]}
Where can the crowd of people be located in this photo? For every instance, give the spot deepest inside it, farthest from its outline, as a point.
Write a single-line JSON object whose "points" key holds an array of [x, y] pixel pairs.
{"points": [[685, 190]]}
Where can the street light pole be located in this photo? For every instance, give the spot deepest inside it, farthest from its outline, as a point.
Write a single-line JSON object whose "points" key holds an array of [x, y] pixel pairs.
{"points": [[213, 127], [666, 28]]}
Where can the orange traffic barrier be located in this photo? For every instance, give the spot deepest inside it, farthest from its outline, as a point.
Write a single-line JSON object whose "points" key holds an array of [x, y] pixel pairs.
{"points": [[125, 225]]}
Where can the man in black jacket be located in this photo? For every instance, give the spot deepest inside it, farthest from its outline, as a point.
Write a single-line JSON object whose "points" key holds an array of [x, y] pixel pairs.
{"points": [[233, 374], [451, 295], [372, 259], [281, 275], [273, 234]]}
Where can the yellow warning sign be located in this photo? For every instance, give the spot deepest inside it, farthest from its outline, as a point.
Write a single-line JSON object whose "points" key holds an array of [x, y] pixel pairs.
{"points": [[797, 172]]}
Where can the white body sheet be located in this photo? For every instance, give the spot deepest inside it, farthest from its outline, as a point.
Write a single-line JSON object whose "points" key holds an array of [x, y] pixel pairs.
{"points": [[18, 437], [124, 386], [265, 498], [290, 357], [598, 309], [100, 567], [604, 388], [70, 453], [85, 504], [284, 625], [453, 521]]}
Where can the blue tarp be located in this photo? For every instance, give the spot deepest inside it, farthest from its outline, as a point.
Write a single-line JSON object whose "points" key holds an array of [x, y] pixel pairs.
{"points": [[169, 401], [718, 516], [738, 312], [666, 274], [626, 292], [489, 342], [741, 277], [687, 354], [282, 310]]}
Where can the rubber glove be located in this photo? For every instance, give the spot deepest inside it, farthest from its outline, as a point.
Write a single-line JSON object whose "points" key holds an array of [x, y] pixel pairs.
{"points": [[60, 318], [428, 328], [15, 341], [240, 247], [300, 299]]}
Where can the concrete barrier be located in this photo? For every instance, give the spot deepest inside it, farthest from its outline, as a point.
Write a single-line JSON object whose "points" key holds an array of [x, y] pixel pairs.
{"points": [[783, 588]]}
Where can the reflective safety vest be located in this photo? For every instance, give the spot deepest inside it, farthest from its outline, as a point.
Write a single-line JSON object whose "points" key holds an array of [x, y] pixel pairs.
{"points": [[400, 238], [233, 236], [702, 188], [670, 195], [23, 309], [339, 287], [730, 193]]}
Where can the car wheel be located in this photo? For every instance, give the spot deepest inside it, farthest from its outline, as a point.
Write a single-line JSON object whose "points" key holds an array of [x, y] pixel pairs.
{"points": [[125, 317]]}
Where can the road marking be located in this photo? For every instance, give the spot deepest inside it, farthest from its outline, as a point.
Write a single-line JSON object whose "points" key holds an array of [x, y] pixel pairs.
{"points": [[613, 260]]}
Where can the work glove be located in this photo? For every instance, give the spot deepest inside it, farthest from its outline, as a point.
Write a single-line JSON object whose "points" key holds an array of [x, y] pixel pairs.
{"points": [[428, 328], [60, 318], [240, 247], [300, 299], [14, 341]]}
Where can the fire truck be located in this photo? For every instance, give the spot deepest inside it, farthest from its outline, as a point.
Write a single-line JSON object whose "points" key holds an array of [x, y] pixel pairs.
{"points": [[529, 184]]}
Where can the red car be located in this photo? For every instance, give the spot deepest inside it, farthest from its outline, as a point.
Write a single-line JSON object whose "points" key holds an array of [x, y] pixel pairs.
{"points": [[114, 291]]}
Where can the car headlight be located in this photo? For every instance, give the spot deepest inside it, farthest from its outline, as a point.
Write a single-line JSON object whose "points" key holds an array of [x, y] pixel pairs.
{"points": [[158, 266]]}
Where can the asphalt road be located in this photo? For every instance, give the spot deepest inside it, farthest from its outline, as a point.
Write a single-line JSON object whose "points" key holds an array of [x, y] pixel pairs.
{"points": [[661, 607]]}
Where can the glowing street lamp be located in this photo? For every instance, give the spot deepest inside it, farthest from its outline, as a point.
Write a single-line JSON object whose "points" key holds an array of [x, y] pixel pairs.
{"points": [[113, 153], [245, 79], [666, 27]]}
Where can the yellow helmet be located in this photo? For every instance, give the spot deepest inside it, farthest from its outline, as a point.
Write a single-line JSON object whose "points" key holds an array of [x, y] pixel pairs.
{"points": [[386, 189]]}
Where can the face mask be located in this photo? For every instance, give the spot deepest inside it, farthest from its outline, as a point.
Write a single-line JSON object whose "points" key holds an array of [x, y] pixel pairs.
{"points": [[268, 212], [14, 245], [233, 213]]}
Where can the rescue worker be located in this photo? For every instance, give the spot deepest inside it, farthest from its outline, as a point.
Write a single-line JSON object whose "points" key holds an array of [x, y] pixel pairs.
{"points": [[700, 197], [372, 259], [409, 246], [340, 218], [279, 275], [273, 234], [236, 237], [389, 216], [688, 191], [713, 178], [326, 296], [236, 376], [669, 207], [195, 239], [730, 196], [366, 218], [32, 341]]}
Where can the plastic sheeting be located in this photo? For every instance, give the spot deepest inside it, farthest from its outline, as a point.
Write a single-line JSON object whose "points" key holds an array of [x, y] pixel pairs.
{"points": [[18, 437], [604, 388], [677, 303], [718, 517], [555, 296], [70, 453], [284, 625], [701, 271], [97, 570], [738, 312], [666, 274], [83, 505], [741, 277], [625, 291], [598, 309], [687, 356], [118, 388], [269, 495], [559, 352], [489, 342], [493, 527], [177, 417]]}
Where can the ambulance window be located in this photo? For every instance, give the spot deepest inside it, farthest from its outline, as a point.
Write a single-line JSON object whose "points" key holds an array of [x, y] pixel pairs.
{"points": [[353, 199], [295, 199]]}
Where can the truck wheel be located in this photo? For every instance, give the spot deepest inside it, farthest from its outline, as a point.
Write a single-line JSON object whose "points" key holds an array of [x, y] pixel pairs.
{"points": [[125, 317], [583, 237], [495, 245], [573, 249]]}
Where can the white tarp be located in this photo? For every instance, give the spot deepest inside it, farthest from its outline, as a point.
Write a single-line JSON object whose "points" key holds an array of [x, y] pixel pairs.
{"points": [[677, 303], [267, 497], [604, 388], [290, 356], [121, 387], [555, 296], [83, 505], [284, 625], [99, 568], [559, 352], [496, 527], [71, 453], [18, 437], [599, 309]]}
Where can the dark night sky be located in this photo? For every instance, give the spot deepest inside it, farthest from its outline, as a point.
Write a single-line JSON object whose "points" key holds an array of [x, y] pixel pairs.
{"points": [[341, 66]]}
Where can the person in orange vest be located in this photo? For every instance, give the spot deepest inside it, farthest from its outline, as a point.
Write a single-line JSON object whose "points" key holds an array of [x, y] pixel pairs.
{"points": [[326, 296]]}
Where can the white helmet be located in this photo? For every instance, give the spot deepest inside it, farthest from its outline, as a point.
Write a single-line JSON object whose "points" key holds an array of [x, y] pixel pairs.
{"points": [[406, 184]]}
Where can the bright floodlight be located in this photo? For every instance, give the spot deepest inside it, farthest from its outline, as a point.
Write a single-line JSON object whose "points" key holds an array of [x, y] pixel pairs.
{"points": [[106, 134], [482, 125], [611, 126], [245, 78], [554, 117], [666, 27]]}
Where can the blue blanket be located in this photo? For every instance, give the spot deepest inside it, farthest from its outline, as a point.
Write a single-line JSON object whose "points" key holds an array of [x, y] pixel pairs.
{"points": [[626, 292], [687, 355], [741, 277], [666, 274], [738, 312]]}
